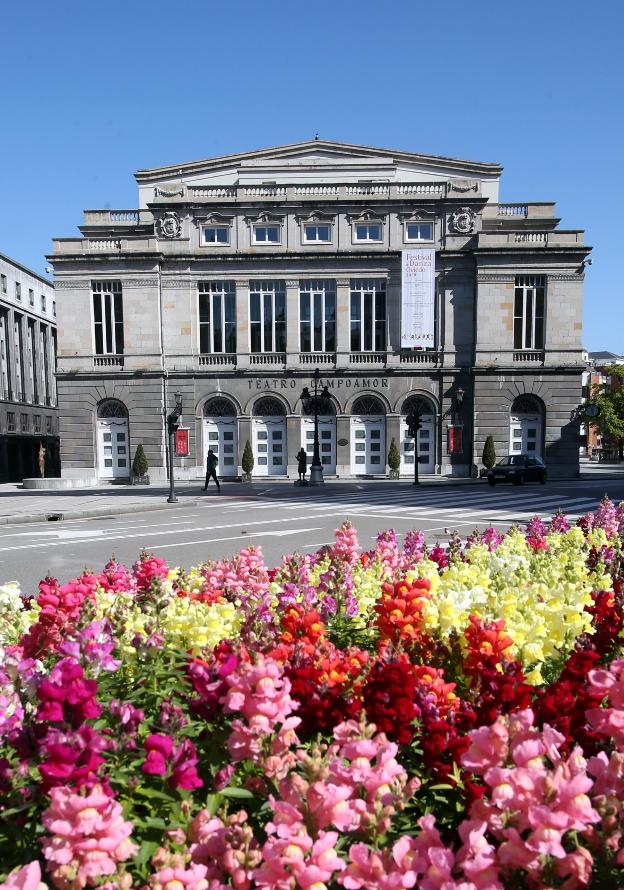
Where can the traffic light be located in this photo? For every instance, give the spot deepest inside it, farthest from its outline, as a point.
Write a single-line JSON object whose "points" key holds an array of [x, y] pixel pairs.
{"points": [[173, 423], [413, 425]]}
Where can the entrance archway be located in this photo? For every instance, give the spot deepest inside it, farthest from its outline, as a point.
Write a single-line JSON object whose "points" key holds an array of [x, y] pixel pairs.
{"points": [[113, 440], [426, 436], [368, 436], [526, 426], [327, 436], [268, 433], [220, 432]]}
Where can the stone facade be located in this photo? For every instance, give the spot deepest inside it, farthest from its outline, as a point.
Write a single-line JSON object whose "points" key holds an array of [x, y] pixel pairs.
{"points": [[28, 413], [206, 290]]}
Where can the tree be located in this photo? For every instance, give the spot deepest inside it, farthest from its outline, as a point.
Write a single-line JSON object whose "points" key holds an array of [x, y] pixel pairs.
{"points": [[247, 462], [394, 458], [488, 458], [610, 400], [139, 464]]}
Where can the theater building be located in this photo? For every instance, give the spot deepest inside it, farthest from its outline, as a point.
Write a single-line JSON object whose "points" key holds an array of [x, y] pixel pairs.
{"points": [[400, 276]]}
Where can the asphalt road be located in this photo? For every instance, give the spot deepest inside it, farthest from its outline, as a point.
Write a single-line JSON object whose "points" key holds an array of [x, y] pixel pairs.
{"points": [[283, 519]]}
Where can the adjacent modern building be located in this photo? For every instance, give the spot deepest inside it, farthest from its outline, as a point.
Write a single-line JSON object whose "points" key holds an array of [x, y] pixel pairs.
{"points": [[28, 413], [598, 376], [400, 276]]}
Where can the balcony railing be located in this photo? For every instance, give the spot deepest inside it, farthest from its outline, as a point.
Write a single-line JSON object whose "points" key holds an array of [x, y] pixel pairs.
{"points": [[218, 359], [367, 358], [267, 358], [317, 358], [417, 357], [108, 361], [529, 355]]}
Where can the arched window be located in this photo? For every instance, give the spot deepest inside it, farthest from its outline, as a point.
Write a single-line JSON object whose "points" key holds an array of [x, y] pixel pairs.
{"points": [[112, 408], [417, 404], [526, 405], [325, 407], [219, 407], [268, 407], [368, 405]]}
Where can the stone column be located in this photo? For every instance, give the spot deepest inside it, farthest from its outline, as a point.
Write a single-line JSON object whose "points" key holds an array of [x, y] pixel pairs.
{"points": [[393, 319], [244, 433], [293, 435], [393, 431], [343, 452], [292, 323], [343, 322], [242, 323], [11, 346]]}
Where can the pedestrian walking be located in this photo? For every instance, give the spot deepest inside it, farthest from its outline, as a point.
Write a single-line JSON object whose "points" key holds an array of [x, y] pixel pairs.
{"points": [[302, 464], [211, 469]]}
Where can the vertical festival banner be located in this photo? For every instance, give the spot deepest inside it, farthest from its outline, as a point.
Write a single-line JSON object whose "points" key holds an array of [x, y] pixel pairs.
{"points": [[418, 299]]}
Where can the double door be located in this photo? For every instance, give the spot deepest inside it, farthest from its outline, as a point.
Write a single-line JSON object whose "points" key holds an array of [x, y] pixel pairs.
{"points": [[327, 441], [525, 434], [113, 448], [368, 445], [269, 446], [220, 434], [426, 446]]}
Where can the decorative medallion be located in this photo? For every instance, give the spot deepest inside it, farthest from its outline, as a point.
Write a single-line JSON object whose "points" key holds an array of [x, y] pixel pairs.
{"points": [[170, 225], [463, 220]]}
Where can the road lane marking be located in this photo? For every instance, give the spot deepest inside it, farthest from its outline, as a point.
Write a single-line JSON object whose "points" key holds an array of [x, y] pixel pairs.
{"points": [[270, 534]]}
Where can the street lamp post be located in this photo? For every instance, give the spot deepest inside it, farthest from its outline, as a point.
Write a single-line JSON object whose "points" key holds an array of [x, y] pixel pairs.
{"points": [[316, 467], [173, 422]]}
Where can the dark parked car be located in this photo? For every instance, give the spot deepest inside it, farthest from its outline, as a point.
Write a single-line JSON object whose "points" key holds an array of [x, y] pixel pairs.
{"points": [[518, 468]]}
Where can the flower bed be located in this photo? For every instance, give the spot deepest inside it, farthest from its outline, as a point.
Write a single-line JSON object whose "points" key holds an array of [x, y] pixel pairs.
{"points": [[403, 717]]}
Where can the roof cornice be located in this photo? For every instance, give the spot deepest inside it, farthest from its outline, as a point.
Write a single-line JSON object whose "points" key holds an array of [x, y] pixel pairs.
{"points": [[187, 168]]}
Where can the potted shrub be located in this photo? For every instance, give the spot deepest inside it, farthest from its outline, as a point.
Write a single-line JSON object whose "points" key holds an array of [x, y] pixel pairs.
{"points": [[247, 462], [394, 460], [140, 467], [488, 458]]}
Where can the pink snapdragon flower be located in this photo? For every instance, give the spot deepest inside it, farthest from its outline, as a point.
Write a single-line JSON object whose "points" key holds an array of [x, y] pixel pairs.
{"points": [[66, 695], [147, 568], [28, 877], [93, 646], [179, 876], [610, 683], [179, 762], [88, 837]]}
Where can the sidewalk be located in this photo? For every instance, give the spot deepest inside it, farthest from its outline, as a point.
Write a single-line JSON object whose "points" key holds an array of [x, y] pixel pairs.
{"points": [[19, 505]]}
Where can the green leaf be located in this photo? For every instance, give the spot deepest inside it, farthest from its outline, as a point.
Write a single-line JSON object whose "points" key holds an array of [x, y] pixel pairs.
{"points": [[240, 793]]}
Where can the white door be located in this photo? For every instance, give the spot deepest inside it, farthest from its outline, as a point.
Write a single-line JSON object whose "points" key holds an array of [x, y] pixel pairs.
{"points": [[525, 434], [113, 448], [220, 434], [269, 446], [426, 446], [327, 441], [368, 445]]}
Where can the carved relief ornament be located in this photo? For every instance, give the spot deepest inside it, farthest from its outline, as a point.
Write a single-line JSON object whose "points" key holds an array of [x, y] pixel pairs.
{"points": [[170, 225], [463, 220]]}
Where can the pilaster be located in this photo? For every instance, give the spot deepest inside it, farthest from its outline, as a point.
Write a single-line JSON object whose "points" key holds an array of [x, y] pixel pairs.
{"points": [[343, 322], [242, 323], [292, 324]]}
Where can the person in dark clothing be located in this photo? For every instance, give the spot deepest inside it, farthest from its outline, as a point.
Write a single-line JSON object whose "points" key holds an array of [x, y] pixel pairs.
{"points": [[211, 469], [302, 464]]}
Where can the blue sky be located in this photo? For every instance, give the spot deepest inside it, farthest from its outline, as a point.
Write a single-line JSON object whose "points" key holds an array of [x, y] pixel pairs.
{"points": [[89, 93]]}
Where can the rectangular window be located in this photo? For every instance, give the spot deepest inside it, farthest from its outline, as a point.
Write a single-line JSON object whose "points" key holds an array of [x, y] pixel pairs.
{"points": [[529, 304], [19, 358], [217, 317], [43, 303], [267, 234], [49, 426], [368, 315], [24, 425], [317, 316], [3, 283], [317, 234], [32, 361], [368, 232], [54, 308], [107, 317], [267, 316], [43, 340], [31, 297], [11, 422], [18, 291], [419, 231], [37, 423], [5, 365], [216, 235]]}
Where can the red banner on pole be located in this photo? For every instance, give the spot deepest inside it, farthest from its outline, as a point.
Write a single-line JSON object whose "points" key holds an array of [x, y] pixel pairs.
{"points": [[182, 443], [455, 439]]}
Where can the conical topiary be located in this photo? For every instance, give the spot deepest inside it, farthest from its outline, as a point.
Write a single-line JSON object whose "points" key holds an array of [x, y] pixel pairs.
{"points": [[139, 464], [489, 453], [394, 458], [247, 462]]}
